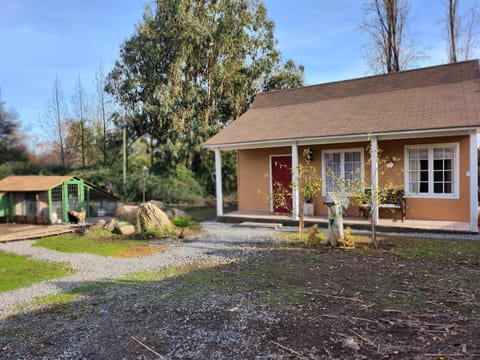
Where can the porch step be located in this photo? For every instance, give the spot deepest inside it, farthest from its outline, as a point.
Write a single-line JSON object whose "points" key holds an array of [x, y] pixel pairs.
{"points": [[255, 224]]}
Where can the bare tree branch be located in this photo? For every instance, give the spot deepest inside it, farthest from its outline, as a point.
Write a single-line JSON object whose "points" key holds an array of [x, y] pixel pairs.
{"points": [[391, 46]]}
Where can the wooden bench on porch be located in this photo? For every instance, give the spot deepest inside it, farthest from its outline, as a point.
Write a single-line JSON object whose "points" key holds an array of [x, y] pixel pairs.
{"points": [[393, 199]]}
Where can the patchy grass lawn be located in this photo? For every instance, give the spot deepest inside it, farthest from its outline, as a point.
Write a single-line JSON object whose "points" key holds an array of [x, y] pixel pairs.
{"points": [[98, 243], [410, 299], [20, 271]]}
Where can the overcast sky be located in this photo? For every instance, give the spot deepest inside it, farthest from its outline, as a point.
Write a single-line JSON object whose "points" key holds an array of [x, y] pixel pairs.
{"points": [[41, 39]]}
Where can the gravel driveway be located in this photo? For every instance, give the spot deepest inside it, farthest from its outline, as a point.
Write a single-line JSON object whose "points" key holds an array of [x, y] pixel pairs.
{"points": [[216, 246]]}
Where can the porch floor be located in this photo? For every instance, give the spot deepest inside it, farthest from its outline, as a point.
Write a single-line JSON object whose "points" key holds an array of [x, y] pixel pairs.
{"points": [[383, 224], [16, 232]]}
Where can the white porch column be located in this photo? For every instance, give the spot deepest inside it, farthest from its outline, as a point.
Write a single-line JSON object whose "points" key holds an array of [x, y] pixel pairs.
{"points": [[374, 178], [295, 190], [218, 181], [473, 182]]}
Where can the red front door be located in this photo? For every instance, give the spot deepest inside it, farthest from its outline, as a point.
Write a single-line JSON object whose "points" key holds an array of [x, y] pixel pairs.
{"points": [[282, 183]]}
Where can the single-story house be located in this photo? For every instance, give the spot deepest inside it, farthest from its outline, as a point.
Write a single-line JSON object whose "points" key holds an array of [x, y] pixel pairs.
{"points": [[48, 199], [428, 118]]}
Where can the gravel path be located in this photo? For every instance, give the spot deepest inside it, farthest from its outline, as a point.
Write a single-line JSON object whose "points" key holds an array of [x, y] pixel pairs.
{"points": [[223, 242]]}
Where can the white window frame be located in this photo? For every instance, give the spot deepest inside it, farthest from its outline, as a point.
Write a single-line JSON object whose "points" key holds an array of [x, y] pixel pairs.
{"points": [[342, 162], [455, 168]]}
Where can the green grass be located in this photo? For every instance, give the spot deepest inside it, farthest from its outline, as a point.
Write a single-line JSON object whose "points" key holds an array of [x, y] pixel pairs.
{"points": [[57, 299], [21, 271], [432, 249], [91, 244]]}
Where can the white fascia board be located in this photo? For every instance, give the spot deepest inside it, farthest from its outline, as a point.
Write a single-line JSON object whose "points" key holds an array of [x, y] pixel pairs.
{"points": [[410, 134]]}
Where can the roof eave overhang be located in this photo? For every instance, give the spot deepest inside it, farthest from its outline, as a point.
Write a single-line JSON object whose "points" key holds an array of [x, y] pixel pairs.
{"points": [[387, 135]]}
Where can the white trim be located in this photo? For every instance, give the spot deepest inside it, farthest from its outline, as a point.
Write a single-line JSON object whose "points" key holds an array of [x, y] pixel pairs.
{"points": [[218, 181], [374, 177], [431, 194], [473, 182], [270, 157], [319, 140], [342, 152], [295, 189]]}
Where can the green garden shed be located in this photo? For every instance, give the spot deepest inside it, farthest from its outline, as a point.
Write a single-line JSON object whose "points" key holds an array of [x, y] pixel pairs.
{"points": [[48, 199]]}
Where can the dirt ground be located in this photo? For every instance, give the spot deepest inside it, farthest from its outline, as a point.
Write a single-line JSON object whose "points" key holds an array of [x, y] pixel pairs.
{"points": [[282, 302]]}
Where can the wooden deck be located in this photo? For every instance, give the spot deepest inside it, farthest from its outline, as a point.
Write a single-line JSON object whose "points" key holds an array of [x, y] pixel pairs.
{"points": [[16, 232], [391, 225]]}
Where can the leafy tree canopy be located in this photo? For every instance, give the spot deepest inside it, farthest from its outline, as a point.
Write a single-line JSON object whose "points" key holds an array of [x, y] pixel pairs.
{"points": [[191, 67], [12, 147]]}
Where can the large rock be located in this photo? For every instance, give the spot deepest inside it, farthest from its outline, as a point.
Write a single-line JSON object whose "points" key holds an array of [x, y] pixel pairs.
{"points": [[100, 224], [127, 229], [112, 225], [158, 204], [178, 212], [127, 213], [150, 216]]}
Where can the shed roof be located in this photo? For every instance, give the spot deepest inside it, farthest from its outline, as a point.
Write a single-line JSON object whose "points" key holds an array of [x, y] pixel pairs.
{"points": [[31, 183], [438, 97]]}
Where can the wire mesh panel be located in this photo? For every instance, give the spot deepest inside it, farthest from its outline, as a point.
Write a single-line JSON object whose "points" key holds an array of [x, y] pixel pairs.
{"points": [[73, 197], [57, 204], [30, 204]]}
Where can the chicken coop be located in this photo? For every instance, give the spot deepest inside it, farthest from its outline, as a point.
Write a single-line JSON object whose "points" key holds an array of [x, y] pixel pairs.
{"points": [[48, 199]]}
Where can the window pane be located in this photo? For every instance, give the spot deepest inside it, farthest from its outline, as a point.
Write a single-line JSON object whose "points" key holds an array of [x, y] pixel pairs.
{"points": [[448, 176], [414, 177], [438, 188], [413, 154], [423, 154], [424, 175], [448, 188], [348, 156], [448, 152], [438, 153], [437, 164], [438, 176], [424, 187], [414, 165], [357, 156], [424, 164], [414, 187], [447, 164]]}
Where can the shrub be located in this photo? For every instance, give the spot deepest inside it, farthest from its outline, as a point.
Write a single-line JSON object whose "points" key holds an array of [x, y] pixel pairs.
{"points": [[17, 168], [182, 222], [178, 187]]}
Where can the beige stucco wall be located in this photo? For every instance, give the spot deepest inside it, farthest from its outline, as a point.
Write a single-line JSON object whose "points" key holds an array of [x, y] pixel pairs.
{"points": [[254, 179]]}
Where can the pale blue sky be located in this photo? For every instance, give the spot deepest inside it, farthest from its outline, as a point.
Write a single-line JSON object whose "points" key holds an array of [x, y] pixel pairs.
{"points": [[69, 38]]}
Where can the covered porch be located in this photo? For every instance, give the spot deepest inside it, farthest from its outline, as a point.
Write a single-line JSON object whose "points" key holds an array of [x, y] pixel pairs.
{"points": [[417, 218]]}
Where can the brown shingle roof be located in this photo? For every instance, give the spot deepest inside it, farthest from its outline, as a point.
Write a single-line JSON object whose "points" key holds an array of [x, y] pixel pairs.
{"points": [[446, 96], [31, 183]]}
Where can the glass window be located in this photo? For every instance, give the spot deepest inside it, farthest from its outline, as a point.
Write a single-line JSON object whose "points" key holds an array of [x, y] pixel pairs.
{"points": [[342, 170], [431, 169]]}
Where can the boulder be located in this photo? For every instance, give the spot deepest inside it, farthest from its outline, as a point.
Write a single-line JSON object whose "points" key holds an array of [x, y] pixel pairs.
{"points": [[100, 224], [169, 213], [127, 213], [112, 225], [127, 229], [158, 204], [177, 212], [150, 216]]}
